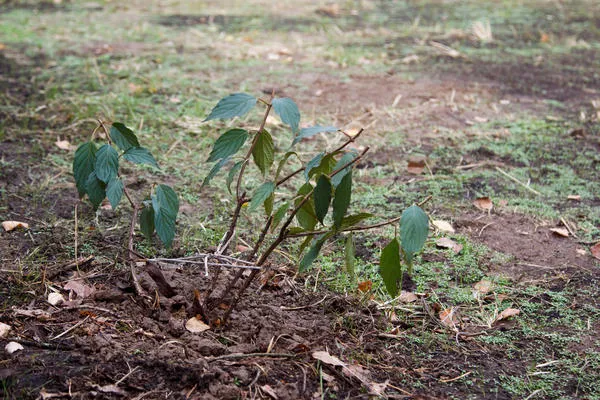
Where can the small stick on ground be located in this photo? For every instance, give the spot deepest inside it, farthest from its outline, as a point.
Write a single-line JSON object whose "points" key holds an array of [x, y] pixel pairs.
{"points": [[237, 356], [512, 178], [70, 329], [303, 307]]}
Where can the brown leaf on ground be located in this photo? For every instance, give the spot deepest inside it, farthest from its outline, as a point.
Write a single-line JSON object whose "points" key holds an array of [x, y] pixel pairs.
{"points": [[416, 166], [269, 390], [448, 318], [407, 297], [12, 225], [483, 203], [564, 232], [595, 249], [365, 286], [195, 325], [443, 226], [81, 290], [447, 243], [509, 312], [327, 358], [483, 286]]}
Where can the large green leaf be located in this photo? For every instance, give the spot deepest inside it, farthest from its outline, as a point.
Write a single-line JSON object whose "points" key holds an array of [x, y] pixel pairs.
{"points": [[264, 151], [313, 130], [114, 191], [325, 167], [322, 196], [123, 137], [349, 257], [147, 221], [414, 228], [214, 171], [283, 160], [344, 160], [354, 219], [279, 214], [95, 189], [234, 105], [390, 268], [306, 214], [261, 194], [288, 112], [83, 165], [166, 206], [313, 163], [232, 172], [341, 199], [312, 253], [228, 144], [140, 155], [107, 163]]}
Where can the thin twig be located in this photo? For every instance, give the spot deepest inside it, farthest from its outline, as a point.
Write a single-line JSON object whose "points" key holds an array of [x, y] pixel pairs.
{"points": [[303, 307], [70, 329], [206, 264], [512, 178], [237, 356]]}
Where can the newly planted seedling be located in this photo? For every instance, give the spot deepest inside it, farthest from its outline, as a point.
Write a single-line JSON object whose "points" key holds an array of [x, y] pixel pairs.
{"points": [[96, 172], [316, 210]]}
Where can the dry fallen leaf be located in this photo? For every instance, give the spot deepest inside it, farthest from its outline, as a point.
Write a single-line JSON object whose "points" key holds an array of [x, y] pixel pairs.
{"points": [[327, 358], [564, 232], [12, 225], [195, 325], [81, 290], [447, 243], [448, 317], [595, 249], [365, 286], [55, 298], [483, 286], [574, 197], [269, 390], [4, 329], [416, 166], [64, 145], [407, 297], [443, 226], [113, 389], [483, 203], [12, 347], [509, 312]]}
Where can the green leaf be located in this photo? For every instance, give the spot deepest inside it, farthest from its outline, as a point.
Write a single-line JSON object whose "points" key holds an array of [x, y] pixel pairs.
{"points": [[355, 219], [306, 214], [269, 204], [264, 151], [123, 137], [234, 105], [232, 172], [344, 160], [166, 206], [261, 194], [341, 200], [214, 171], [390, 268], [95, 189], [288, 112], [414, 228], [284, 160], [279, 215], [313, 252], [322, 196], [313, 130], [107, 163], [140, 155], [83, 165], [147, 221], [114, 191], [315, 162], [349, 252], [325, 167], [228, 144]]}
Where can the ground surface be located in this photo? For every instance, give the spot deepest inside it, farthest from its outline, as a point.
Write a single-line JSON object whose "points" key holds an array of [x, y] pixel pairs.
{"points": [[507, 111]]}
